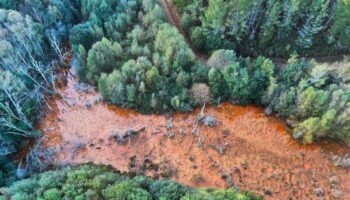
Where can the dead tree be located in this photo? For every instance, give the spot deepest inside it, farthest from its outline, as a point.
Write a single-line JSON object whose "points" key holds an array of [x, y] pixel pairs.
{"points": [[55, 44], [197, 122], [170, 128]]}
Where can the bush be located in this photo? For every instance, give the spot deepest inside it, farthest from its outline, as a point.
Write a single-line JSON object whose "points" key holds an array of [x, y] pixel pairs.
{"points": [[85, 34], [126, 190], [168, 190], [102, 58], [222, 58], [198, 38]]}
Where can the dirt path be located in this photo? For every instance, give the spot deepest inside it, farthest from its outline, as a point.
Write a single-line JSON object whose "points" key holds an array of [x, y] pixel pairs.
{"points": [[175, 19], [246, 148]]}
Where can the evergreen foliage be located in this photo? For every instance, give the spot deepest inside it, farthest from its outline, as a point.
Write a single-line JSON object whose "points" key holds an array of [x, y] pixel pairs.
{"points": [[89, 182], [138, 60], [268, 27]]}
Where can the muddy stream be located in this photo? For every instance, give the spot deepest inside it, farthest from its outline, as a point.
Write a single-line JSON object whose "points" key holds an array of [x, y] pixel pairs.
{"points": [[246, 148]]}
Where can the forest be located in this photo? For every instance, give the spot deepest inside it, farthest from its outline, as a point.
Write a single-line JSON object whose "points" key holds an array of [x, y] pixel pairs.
{"points": [[267, 27], [89, 182], [138, 60]]}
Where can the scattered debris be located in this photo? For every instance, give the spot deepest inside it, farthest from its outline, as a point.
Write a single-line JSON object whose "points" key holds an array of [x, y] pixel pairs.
{"points": [[213, 163], [155, 131], [197, 178], [221, 149], [83, 87], [182, 131], [21, 173], [77, 147], [122, 138], [245, 164], [319, 192], [228, 179], [167, 170], [297, 135], [210, 121], [226, 132], [199, 118], [191, 158], [268, 111], [336, 193], [347, 144], [200, 142], [88, 105], [333, 179], [342, 161], [132, 162], [170, 133], [268, 191], [148, 165]]}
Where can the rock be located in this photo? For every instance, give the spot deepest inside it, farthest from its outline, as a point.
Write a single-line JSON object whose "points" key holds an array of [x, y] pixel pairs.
{"points": [[268, 111], [226, 132], [341, 161], [335, 157], [132, 162], [245, 165], [319, 192], [297, 135], [130, 133], [191, 158], [228, 179], [348, 144], [155, 131], [210, 121], [78, 146], [288, 121], [333, 179], [88, 105], [119, 138], [267, 191], [336, 193], [182, 130], [236, 170], [122, 138], [82, 87], [21, 173], [220, 149]]}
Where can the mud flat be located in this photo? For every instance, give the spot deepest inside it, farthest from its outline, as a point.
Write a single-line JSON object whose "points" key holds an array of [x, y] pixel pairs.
{"points": [[246, 149]]}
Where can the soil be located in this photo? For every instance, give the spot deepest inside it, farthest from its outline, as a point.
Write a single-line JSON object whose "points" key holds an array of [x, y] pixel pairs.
{"points": [[246, 149]]}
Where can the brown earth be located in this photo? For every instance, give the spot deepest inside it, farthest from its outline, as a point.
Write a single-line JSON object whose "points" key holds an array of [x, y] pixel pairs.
{"points": [[246, 149]]}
